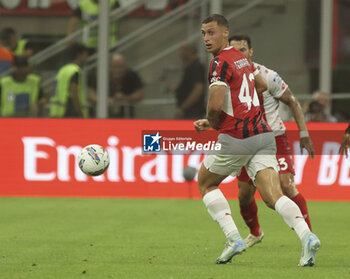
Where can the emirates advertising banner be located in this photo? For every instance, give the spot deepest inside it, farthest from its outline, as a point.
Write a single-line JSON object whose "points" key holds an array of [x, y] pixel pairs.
{"points": [[147, 159]]}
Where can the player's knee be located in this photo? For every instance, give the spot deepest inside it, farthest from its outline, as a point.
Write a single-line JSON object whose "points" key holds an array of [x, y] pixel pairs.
{"points": [[205, 184], [270, 199], [202, 185]]}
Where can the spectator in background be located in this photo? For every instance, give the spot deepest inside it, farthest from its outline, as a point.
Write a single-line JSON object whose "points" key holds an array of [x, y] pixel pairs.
{"points": [[320, 100], [323, 99], [190, 92], [125, 87], [6, 59], [315, 112], [20, 92], [86, 13], [68, 99], [18, 47]]}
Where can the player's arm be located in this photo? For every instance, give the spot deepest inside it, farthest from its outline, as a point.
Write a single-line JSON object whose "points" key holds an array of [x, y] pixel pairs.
{"points": [[346, 142], [289, 99], [215, 103], [260, 84]]}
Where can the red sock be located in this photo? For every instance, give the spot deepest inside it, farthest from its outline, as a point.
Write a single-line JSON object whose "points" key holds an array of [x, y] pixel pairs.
{"points": [[300, 201], [250, 215]]}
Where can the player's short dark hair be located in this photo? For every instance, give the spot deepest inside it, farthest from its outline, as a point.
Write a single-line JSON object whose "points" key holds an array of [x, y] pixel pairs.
{"points": [[241, 37], [20, 61], [6, 33], [78, 49], [219, 19]]}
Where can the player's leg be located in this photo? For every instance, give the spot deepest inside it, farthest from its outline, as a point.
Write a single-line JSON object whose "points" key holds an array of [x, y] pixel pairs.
{"points": [[291, 191], [286, 171], [219, 210], [246, 192], [262, 169], [214, 169], [249, 209], [268, 185], [215, 201]]}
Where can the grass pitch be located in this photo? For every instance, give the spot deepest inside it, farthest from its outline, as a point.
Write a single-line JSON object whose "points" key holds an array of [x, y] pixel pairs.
{"points": [[122, 238]]}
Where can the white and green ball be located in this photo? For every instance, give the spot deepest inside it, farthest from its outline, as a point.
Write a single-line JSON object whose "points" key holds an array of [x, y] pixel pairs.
{"points": [[93, 160]]}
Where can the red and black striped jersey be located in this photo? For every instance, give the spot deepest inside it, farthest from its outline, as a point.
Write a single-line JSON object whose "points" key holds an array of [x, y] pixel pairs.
{"points": [[241, 116]]}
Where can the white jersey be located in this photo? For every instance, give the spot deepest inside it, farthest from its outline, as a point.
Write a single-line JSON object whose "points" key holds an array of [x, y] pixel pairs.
{"points": [[269, 99]]}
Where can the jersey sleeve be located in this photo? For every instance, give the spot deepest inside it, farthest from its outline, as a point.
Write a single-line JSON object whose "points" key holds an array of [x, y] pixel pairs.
{"points": [[276, 84], [220, 73]]}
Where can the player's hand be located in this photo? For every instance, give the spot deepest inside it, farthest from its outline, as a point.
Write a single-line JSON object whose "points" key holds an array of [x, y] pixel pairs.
{"points": [[201, 125], [345, 145], [307, 144]]}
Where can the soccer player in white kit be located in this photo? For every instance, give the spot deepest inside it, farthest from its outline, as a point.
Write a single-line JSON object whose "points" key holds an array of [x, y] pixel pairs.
{"points": [[234, 110], [269, 100]]}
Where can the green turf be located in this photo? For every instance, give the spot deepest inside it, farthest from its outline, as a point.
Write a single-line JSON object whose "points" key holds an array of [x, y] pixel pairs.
{"points": [[113, 238]]}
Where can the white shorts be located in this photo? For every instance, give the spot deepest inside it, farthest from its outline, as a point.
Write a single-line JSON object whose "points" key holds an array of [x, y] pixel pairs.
{"points": [[255, 153]]}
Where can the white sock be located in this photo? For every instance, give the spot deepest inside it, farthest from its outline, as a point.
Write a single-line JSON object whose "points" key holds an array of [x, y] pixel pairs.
{"points": [[220, 211], [291, 214]]}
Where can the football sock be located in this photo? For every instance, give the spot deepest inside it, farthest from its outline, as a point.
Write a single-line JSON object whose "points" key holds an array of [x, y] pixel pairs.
{"points": [[291, 214], [301, 202], [220, 211], [250, 215]]}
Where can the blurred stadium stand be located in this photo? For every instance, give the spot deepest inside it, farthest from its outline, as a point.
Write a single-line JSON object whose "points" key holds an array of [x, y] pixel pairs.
{"points": [[285, 37]]}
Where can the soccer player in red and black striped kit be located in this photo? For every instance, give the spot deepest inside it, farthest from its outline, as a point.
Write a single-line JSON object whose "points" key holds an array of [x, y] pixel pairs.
{"points": [[246, 139]]}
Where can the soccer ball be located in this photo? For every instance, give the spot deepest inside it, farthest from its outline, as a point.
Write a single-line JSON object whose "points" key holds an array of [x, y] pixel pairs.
{"points": [[93, 160]]}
